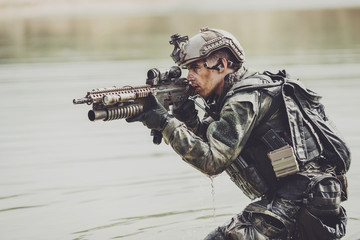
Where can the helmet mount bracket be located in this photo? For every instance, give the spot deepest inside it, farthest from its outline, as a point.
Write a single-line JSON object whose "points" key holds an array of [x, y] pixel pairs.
{"points": [[177, 40]]}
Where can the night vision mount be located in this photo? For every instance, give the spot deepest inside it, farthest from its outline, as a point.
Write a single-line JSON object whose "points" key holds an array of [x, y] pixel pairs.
{"points": [[177, 40]]}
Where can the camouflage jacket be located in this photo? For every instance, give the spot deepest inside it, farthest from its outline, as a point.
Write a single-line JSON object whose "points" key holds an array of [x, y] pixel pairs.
{"points": [[214, 148]]}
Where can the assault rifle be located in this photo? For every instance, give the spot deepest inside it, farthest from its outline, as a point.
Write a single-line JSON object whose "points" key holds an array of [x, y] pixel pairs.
{"points": [[118, 103]]}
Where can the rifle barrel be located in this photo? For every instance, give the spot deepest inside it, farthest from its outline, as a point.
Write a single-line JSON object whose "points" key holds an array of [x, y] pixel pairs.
{"points": [[82, 101]]}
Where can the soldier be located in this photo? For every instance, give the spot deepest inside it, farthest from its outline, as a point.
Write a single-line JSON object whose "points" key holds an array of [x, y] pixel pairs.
{"points": [[268, 132]]}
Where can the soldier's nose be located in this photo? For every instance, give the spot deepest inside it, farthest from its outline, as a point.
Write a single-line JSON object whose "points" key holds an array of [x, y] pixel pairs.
{"points": [[190, 77]]}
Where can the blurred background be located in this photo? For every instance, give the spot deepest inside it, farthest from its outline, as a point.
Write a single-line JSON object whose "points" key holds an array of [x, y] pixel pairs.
{"points": [[68, 30], [64, 177]]}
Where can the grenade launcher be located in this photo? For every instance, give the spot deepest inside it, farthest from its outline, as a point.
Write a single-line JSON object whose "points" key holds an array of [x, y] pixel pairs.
{"points": [[117, 103]]}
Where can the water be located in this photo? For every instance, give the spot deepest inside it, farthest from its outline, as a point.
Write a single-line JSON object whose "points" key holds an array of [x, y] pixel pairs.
{"points": [[213, 195], [64, 177]]}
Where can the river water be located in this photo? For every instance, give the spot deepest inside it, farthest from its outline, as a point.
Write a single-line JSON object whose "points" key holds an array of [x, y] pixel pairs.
{"points": [[64, 177]]}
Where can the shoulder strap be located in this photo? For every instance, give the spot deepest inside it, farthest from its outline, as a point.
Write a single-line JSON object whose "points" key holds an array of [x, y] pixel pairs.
{"points": [[256, 82]]}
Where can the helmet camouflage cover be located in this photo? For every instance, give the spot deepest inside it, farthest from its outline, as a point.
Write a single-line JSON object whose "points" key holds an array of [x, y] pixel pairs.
{"points": [[206, 42]]}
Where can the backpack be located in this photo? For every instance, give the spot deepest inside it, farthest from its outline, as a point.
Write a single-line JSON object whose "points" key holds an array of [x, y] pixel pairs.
{"points": [[308, 102], [296, 95]]}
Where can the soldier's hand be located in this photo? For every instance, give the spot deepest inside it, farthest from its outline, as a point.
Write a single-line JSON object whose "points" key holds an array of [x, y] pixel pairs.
{"points": [[185, 112], [154, 118]]}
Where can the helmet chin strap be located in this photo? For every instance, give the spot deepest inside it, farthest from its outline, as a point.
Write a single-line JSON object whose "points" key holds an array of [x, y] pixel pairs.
{"points": [[220, 67]]}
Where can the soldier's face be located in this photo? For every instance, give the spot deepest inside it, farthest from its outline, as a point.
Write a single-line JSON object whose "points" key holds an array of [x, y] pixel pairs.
{"points": [[205, 81]]}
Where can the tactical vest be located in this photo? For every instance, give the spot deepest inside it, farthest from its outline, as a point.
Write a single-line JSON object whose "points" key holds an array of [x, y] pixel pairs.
{"points": [[300, 132]]}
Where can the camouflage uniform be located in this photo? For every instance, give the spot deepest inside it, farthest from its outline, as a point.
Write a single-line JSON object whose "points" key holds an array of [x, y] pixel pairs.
{"points": [[212, 145], [212, 149]]}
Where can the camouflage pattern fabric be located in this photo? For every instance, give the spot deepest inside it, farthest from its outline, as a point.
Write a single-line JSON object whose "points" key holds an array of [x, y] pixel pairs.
{"points": [[224, 139]]}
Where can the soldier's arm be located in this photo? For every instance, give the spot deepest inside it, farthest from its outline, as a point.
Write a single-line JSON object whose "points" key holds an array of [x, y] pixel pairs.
{"points": [[224, 138]]}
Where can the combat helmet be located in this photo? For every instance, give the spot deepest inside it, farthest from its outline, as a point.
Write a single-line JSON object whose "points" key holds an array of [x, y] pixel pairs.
{"points": [[203, 44]]}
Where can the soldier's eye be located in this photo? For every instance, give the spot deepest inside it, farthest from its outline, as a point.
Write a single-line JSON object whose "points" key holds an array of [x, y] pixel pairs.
{"points": [[196, 68]]}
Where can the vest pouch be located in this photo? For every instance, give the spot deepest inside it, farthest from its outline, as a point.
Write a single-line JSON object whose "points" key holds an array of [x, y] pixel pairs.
{"points": [[283, 161], [247, 178], [323, 194], [327, 228], [344, 186], [282, 157]]}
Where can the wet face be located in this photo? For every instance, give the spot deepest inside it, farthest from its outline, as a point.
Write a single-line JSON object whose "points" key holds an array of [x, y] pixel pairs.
{"points": [[205, 81]]}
